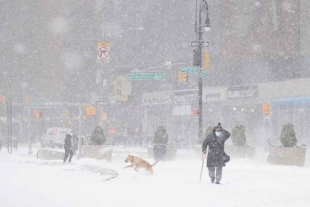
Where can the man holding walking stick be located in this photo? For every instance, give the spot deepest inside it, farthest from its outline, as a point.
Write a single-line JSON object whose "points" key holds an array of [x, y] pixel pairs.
{"points": [[216, 157]]}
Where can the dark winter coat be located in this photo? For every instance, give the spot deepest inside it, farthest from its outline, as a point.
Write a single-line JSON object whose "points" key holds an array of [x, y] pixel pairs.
{"points": [[216, 154], [69, 144]]}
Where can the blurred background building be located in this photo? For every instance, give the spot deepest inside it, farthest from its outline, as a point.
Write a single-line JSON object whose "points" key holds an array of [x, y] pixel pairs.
{"points": [[49, 54]]}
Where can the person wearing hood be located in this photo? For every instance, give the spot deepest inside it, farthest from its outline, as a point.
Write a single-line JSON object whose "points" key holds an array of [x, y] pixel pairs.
{"points": [[216, 157], [69, 146]]}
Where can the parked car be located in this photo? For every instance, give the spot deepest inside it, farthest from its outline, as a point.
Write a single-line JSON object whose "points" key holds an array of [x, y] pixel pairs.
{"points": [[54, 137]]}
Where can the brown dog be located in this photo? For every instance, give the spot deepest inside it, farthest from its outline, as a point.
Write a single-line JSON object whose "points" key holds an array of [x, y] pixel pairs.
{"points": [[138, 163]]}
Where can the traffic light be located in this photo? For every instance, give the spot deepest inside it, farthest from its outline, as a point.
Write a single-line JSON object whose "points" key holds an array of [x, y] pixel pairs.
{"points": [[182, 77], [207, 60], [38, 114], [104, 116], [91, 111], [266, 108]]}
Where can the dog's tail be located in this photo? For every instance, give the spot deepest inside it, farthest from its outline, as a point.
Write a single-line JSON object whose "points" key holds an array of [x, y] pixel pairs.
{"points": [[155, 163]]}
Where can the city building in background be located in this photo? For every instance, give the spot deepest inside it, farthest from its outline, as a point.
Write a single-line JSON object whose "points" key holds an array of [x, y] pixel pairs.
{"points": [[256, 50]]}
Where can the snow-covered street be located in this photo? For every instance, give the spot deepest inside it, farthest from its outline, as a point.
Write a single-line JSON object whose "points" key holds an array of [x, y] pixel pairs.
{"points": [[28, 182], [164, 80]]}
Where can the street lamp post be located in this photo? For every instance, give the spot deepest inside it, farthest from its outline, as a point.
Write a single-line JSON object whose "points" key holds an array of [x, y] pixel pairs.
{"points": [[201, 8]]}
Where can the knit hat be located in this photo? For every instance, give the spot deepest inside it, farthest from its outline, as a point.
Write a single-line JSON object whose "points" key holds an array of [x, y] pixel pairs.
{"points": [[70, 132], [219, 127]]}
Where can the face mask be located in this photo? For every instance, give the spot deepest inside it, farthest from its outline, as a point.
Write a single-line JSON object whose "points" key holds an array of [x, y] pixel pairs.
{"points": [[218, 133]]}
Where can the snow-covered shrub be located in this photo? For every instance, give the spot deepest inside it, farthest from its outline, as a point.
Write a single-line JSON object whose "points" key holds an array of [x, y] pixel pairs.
{"points": [[238, 135], [288, 136], [160, 143], [209, 130], [161, 135], [97, 137]]}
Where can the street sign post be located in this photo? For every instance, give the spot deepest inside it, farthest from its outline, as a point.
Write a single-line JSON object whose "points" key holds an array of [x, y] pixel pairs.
{"points": [[143, 76], [190, 70], [199, 43]]}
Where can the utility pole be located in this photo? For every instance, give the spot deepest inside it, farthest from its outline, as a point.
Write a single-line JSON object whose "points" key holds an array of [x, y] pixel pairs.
{"points": [[201, 8], [80, 131], [9, 125], [29, 131], [9, 113]]}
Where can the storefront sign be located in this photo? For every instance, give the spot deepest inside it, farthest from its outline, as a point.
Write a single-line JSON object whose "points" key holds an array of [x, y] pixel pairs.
{"points": [[182, 110], [185, 98], [212, 97], [156, 98], [291, 103], [212, 94], [242, 92]]}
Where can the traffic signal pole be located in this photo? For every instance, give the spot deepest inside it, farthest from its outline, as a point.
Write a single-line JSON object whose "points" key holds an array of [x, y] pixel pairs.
{"points": [[202, 7], [29, 130], [199, 53], [198, 58], [9, 124], [80, 131]]}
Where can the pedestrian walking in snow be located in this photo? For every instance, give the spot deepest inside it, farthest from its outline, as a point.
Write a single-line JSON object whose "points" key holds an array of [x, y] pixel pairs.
{"points": [[216, 157], [69, 146]]}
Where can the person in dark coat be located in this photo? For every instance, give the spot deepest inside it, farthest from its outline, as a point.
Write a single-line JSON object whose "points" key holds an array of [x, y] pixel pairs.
{"points": [[216, 155], [69, 146]]}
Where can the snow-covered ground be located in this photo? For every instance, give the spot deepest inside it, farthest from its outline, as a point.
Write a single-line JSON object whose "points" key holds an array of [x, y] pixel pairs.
{"points": [[28, 182]]}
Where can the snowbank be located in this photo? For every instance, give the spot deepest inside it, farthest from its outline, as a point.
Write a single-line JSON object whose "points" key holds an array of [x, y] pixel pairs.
{"points": [[26, 181]]}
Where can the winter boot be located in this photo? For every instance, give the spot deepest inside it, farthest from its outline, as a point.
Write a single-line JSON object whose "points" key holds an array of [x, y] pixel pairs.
{"points": [[212, 180], [217, 182]]}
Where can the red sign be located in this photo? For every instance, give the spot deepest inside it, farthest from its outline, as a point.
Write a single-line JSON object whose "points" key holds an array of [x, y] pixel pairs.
{"points": [[195, 112], [103, 53], [112, 130]]}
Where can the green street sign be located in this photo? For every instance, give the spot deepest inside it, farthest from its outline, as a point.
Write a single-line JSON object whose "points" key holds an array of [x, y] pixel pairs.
{"points": [[190, 70], [204, 75], [141, 76], [35, 104]]}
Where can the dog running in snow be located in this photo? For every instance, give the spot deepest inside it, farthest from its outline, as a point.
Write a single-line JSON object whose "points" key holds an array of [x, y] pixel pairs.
{"points": [[137, 163]]}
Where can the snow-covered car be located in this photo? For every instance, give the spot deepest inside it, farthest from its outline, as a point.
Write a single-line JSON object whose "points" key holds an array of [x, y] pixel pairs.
{"points": [[54, 137]]}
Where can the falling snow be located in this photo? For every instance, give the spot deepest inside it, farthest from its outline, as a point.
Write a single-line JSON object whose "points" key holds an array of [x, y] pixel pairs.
{"points": [[132, 67]]}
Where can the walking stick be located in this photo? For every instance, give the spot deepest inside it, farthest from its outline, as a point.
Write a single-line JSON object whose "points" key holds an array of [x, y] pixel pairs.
{"points": [[203, 160]]}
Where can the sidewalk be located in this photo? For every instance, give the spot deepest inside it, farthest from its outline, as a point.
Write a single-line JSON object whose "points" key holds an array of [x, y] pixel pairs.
{"points": [[22, 156]]}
